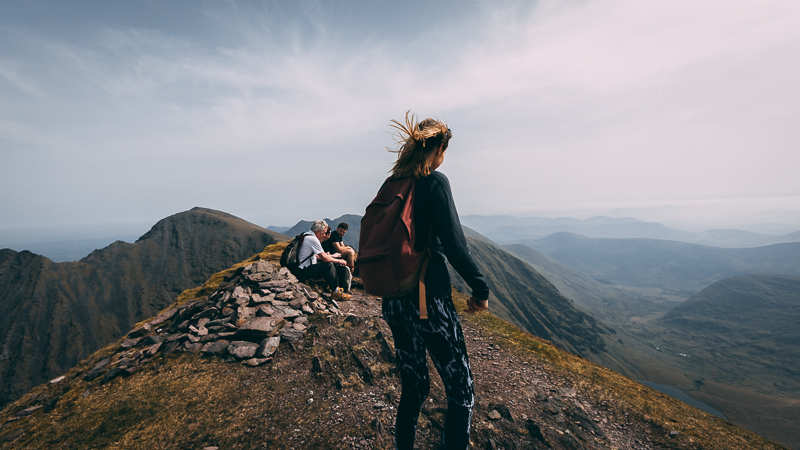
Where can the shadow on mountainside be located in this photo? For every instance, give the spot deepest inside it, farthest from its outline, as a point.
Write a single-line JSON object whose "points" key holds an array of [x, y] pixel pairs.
{"points": [[331, 383]]}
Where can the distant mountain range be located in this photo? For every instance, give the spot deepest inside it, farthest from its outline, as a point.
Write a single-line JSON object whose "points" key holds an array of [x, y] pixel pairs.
{"points": [[510, 230], [677, 267], [52, 315]]}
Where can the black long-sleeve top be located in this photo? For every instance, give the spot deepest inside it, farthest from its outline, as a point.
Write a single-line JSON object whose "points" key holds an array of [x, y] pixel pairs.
{"points": [[434, 205]]}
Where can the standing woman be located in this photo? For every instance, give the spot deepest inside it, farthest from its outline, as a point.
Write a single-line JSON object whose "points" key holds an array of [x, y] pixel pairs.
{"points": [[422, 148]]}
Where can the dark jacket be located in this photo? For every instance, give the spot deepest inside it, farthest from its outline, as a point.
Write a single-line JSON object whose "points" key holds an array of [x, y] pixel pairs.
{"points": [[434, 205]]}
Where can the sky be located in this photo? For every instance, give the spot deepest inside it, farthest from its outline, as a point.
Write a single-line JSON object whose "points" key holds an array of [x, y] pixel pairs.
{"points": [[119, 113]]}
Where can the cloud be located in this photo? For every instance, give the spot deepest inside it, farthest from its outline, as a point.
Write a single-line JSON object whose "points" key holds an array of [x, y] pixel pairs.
{"points": [[591, 102]]}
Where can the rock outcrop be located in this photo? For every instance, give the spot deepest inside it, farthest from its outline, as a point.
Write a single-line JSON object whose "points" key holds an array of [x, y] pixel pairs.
{"points": [[244, 320]]}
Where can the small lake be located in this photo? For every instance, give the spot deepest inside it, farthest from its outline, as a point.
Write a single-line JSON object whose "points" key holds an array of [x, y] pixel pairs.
{"points": [[680, 395]]}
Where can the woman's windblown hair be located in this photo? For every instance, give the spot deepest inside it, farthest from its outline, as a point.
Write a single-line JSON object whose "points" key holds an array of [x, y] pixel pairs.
{"points": [[415, 141]]}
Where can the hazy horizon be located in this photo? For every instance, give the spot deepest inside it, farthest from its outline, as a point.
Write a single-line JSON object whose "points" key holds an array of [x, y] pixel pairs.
{"points": [[125, 113]]}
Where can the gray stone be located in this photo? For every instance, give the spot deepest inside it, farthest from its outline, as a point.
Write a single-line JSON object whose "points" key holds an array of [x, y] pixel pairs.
{"points": [[29, 411], [259, 327], [125, 362], [253, 362], [100, 365], [208, 312], [320, 305], [269, 346], [263, 266], [301, 319], [153, 349], [243, 314], [298, 302], [242, 349], [216, 347], [193, 338], [139, 331], [163, 316], [219, 321], [264, 310], [284, 312], [258, 277], [192, 347], [240, 296], [57, 380], [202, 322], [284, 272], [494, 415], [307, 309], [130, 343], [289, 334], [273, 284], [287, 295], [299, 327], [175, 337]]}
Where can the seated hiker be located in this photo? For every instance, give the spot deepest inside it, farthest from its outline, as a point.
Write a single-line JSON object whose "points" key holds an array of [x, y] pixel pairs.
{"points": [[317, 263], [334, 244]]}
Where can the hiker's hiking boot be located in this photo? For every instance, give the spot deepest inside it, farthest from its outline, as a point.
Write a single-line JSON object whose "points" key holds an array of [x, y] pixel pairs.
{"points": [[339, 295]]}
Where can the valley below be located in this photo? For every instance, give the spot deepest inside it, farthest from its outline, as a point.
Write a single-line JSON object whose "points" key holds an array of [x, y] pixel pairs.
{"points": [[732, 344]]}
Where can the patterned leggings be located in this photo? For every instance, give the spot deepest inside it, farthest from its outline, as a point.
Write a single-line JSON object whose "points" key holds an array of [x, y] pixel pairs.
{"points": [[442, 337]]}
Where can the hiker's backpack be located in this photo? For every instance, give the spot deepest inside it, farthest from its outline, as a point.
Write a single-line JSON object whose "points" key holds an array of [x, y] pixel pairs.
{"points": [[388, 264], [290, 258]]}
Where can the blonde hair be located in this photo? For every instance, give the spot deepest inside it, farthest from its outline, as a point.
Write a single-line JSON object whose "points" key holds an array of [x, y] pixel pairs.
{"points": [[415, 142]]}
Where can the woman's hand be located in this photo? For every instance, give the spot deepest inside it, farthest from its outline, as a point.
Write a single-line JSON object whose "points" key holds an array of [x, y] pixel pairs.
{"points": [[474, 305]]}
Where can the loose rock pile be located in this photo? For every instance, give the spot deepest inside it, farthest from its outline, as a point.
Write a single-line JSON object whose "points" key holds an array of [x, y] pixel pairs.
{"points": [[244, 320]]}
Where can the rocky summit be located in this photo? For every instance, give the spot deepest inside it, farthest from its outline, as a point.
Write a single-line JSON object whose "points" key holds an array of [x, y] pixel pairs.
{"points": [[244, 320]]}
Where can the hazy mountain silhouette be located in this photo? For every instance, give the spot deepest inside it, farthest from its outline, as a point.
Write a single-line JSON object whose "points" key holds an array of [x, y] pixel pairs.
{"points": [[678, 267], [510, 230], [54, 314], [611, 303]]}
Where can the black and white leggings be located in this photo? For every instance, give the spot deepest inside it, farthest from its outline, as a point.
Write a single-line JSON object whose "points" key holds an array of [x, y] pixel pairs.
{"points": [[442, 337]]}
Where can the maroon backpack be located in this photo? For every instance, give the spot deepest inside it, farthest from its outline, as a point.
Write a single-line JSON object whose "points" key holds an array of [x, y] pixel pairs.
{"points": [[388, 264]]}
